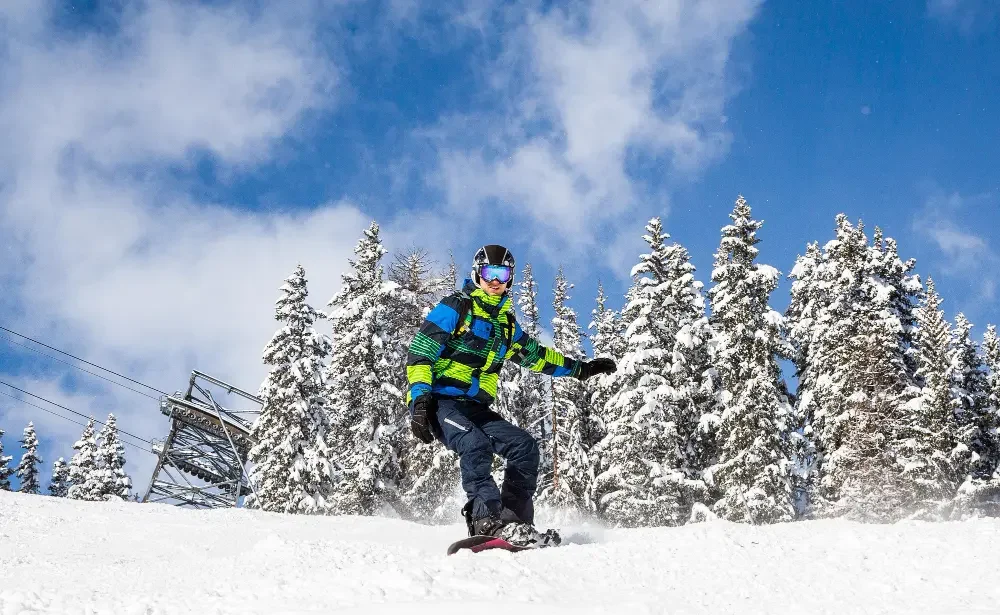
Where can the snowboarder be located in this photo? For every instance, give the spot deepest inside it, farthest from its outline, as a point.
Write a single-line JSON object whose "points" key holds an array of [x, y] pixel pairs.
{"points": [[453, 368]]}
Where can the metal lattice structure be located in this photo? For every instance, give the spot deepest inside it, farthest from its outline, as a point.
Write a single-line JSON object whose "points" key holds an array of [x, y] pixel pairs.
{"points": [[202, 461]]}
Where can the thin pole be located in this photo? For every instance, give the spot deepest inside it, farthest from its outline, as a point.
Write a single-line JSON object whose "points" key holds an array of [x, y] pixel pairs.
{"points": [[555, 451]]}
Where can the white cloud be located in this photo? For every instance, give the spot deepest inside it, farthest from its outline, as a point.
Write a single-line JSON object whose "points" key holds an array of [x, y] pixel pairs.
{"points": [[966, 254], [587, 89], [103, 257], [967, 15]]}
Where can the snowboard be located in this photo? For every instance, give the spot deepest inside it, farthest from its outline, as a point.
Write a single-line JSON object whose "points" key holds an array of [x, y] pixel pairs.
{"points": [[483, 543]]}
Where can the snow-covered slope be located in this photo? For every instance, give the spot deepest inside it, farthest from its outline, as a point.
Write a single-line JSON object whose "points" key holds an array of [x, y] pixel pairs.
{"points": [[60, 556]]}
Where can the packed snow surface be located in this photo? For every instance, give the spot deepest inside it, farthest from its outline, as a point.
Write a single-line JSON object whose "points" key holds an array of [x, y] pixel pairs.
{"points": [[62, 556]]}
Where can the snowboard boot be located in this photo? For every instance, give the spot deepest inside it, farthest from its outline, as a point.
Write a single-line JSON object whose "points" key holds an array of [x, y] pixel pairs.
{"points": [[491, 524], [518, 533], [467, 514]]}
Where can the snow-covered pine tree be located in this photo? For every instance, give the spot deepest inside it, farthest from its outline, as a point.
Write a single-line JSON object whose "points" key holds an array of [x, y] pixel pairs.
{"points": [[970, 386], [930, 454], [991, 359], [83, 467], [693, 383], [977, 420], [524, 391], [430, 488], [871, 487], [641, 479], [753, 471], [367, 416], [413, 270], [5, 469], [849, 322], [608, 340], [417, 292], [59, 485], [449, 281], [429, 473], [873, 382], [292, 467], [27, 470], [807, 303], [899, 290], [827, 295], [571, 439], [114, 481]]}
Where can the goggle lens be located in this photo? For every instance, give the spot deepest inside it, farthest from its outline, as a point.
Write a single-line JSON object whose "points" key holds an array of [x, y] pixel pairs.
{"points": [[496, 272]]}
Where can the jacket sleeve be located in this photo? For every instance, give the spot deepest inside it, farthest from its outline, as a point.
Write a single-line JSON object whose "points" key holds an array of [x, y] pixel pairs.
{"points": [[428, 344], [527, 352]]}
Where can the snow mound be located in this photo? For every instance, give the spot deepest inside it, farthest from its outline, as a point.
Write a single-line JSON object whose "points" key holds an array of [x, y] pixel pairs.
{"points": [[62, 556]]}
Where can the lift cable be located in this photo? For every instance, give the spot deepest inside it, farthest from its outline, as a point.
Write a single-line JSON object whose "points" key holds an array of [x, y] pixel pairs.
{"points": [[121, 431], [79, 368], [2, 328], [66, 418]]}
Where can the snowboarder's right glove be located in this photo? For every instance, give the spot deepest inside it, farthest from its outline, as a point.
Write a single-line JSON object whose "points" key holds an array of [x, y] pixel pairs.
{"points": [[424, 408], [597, 366]]}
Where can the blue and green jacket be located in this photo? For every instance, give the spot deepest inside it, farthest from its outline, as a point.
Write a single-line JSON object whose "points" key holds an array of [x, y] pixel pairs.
{"points": [[463, 359]]}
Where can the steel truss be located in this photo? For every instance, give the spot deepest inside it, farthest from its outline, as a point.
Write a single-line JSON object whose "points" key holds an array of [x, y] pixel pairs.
{"points": [[202, 461]]}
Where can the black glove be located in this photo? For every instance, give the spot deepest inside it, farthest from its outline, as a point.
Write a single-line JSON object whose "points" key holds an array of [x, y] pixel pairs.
{"points": [[597, 366], [424, 408]]}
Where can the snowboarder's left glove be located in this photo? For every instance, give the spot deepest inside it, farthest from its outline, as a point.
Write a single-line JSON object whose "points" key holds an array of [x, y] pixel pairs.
{"points": [[424, 408], [597, 366]]}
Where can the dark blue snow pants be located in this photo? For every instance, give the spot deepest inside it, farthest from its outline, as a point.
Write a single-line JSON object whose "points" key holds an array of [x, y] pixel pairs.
{"points": [[475, 432]]}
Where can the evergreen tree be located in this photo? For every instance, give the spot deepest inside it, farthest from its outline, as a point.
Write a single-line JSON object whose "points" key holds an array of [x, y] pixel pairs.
{"points": [[872, 488], [27, 470], [828, 291], [83, 467], [571, 439], [366, 412], [970, 386], [849, 322], [523, 391], [692, 379], [608, 338], [753, 471], [807, 321], [429, 474], [59, 486], [413, 271], [608, 341], [873, 381], [929, 454], [5, 469], [641, 479], [431, 484], [113, 481], [898, 290], [449, 281], [292, 467], [991, 359], [981, 493], [417, 292], [977, 420]]}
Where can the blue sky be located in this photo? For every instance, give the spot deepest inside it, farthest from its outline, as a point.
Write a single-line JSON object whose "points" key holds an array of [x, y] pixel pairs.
{"points": [[168, 164]]}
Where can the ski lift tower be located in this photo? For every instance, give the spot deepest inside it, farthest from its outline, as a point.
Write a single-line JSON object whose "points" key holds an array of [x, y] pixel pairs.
{"points": [[202, 461]]}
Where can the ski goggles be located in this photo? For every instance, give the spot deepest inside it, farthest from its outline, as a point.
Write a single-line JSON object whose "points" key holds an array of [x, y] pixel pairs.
{"points": [[500, 273]]}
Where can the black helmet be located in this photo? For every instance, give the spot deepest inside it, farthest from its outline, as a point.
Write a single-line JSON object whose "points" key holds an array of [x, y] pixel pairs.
{"points": [[491, 255]]}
